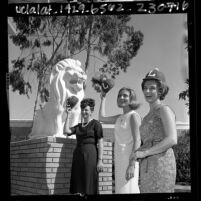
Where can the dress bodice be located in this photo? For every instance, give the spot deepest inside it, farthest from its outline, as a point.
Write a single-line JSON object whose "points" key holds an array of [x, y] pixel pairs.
{"points": [[88, 134], [123, 134], [151, 129]]}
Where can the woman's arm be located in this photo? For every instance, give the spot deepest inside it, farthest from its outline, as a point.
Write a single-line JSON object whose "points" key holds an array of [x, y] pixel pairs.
{"points": [[135, 122], [100, 145], [100, 149], [100, 155], [67, 130], [102, 117], [170, 139]]}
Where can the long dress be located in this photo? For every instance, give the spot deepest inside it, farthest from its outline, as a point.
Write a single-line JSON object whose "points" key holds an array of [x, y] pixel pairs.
{"points": [[122, 149], [157, 172], [84, 175]]}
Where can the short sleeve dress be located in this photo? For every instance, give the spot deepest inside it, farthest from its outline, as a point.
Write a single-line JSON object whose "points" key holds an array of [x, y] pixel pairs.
{"points": [[157, 172], [84, 175]]}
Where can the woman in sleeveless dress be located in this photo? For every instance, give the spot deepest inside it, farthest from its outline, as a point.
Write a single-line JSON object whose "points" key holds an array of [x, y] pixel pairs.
{"points": [[158, 135], [127, 140]]}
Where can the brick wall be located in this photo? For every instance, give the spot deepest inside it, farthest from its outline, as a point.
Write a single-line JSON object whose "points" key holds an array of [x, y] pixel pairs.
{"points": [[42, 166], [105, 177]]}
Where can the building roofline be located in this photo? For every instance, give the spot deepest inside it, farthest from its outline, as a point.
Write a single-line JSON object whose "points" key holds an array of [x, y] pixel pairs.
{"points": [[29, 122]]}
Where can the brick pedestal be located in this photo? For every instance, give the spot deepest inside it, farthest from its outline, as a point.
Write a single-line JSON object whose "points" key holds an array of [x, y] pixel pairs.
{"points": [[43, 166]]}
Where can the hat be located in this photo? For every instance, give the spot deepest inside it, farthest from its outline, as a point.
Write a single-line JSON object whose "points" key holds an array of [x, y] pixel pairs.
{"points": [[107, 85], [102, 83], [71, 101], [155, 74]]}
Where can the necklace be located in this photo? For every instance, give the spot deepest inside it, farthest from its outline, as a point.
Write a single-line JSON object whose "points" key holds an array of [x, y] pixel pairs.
{"points": [[85, 124]]}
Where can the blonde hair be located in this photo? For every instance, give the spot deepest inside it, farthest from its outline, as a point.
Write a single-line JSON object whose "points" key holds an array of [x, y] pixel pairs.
{"points": [[133, 98]]}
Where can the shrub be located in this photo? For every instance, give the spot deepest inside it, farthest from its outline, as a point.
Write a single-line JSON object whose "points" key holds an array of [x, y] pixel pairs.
{"points": [[182, 154]]}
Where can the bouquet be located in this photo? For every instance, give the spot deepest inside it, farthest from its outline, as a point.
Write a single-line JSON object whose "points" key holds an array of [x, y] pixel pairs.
{"points": [[102, 84]]}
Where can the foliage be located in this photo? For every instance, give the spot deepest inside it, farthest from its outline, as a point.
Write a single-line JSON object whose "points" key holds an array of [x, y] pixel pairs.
{"points": [[185, 94], [182, 154], [44, 40]]}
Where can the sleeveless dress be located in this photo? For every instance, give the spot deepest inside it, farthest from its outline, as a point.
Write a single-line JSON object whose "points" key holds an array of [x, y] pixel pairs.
{"points": [[122, 149], [157, 172]]}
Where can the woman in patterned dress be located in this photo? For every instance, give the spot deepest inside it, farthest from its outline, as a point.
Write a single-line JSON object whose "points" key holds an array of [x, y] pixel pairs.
{"points": [[87, 156], [158, 135], [127, 140]]}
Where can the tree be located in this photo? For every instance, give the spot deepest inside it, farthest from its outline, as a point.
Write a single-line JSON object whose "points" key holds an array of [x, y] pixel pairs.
{"points": [[185, 94], [48, 39]]}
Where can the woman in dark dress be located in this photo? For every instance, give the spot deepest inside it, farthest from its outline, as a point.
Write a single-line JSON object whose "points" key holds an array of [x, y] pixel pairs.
{"points": [[87, 156]]}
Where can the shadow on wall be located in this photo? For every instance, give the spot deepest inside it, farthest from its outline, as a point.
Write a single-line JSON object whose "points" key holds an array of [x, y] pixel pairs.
{"points": [[63, 171], [41, 166]]}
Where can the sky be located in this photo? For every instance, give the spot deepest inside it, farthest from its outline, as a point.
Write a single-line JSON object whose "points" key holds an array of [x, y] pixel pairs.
{"points": [[162, 48]]}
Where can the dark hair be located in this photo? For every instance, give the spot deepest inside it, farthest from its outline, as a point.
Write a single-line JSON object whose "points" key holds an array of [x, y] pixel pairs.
{"points": [[88, 102], [133, 98], [163, 89]]}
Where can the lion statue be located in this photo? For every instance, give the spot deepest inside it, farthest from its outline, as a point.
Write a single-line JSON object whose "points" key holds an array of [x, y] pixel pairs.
{"points": [[66, 79]]}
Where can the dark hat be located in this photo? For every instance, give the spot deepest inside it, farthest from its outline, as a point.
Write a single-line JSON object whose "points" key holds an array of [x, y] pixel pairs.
{"points": [[102, 83], [71, 101], [155, 74], [107, 85]]}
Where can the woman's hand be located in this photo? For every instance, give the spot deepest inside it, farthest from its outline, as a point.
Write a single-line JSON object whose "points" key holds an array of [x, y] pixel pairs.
{"points": [[139, 155], [102, 95], [66, 128], [130, 172], [132, 156], [100, 166], [68, 109]]}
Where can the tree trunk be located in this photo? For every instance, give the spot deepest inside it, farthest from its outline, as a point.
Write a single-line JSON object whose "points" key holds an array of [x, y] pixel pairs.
{"points": [[89, 46], [36, 101]]}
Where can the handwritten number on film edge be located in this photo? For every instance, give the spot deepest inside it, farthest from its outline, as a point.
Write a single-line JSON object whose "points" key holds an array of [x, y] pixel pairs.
{"points": [[154, 8], [108, 8]]}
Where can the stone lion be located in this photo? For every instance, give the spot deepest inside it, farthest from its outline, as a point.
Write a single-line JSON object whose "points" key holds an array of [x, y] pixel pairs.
{"points": [[67, 79]]}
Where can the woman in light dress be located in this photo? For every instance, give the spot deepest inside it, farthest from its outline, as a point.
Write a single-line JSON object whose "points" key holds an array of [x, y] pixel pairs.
{"points": [[127, 140]]}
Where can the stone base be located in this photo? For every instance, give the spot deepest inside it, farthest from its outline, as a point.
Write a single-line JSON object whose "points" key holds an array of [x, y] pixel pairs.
{"points": [[43, 166]]}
